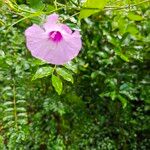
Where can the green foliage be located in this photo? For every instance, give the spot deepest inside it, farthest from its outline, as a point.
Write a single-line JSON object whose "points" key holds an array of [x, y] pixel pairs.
{"points": [[135, 17], [57, 83], [65, 74], [36, 4], [2, 146], [99, 101], [90, 7], [43, 72]]}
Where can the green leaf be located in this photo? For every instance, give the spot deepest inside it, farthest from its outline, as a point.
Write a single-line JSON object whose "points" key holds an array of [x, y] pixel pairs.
{"points": [[43, 72], [132, 29], [90, 7], [21, 109], [36, 4], [65, 74], [113, 95], [20, 101], [9, 110], [57, 84], [22, 114], [123, 101], [8, 103], [1, 3], [94, 74], [72, 67], [1, 23], [49, 8], [134, 17], [8, 118], [113, 40], [122, 23], [2, 145], [38, 62], [121, 55]]}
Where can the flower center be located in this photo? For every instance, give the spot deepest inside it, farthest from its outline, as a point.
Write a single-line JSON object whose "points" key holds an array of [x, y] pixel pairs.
{"points": [[55, 36]]}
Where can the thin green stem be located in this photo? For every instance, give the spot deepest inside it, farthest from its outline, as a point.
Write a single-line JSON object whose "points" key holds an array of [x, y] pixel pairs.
{"points": [[14, 102], [55, 3], [78, 2], [74, 3], [70, 16], [33, 15], [125, 7], [117, 8]]}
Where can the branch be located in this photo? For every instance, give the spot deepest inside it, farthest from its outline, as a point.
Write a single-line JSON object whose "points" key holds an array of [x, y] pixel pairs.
{"points": [[117, 8], [125, 7]]}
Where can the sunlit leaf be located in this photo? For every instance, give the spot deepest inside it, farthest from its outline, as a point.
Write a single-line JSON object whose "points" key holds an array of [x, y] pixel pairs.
{"points": [[43, 72], [134, 17], [8, 103], [132, 29], [121, 55], [123, 101], [8, 118], [22, 114], [65, 74], [57, 84], [21, 101], [72, 67], [9, 109], [36, 4], [91, 6], [21, 109]]}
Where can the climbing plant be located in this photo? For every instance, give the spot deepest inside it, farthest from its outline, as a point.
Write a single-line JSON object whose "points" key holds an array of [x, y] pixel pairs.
{"points": [[97, 101]]}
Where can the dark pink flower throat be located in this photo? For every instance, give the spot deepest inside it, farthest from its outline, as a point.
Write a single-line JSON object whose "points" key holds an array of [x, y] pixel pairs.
{"points": [[55, 36]]}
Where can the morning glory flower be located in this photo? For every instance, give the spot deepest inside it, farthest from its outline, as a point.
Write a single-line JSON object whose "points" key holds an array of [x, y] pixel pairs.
{"points": [[54, 42]]}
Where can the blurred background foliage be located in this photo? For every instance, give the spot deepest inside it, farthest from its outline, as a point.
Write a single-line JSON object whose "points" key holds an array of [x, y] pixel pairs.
{"points": [[106, 107]]}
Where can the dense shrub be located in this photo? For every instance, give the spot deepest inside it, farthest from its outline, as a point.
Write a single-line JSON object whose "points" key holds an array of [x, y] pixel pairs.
{"points": [[107, 106]]}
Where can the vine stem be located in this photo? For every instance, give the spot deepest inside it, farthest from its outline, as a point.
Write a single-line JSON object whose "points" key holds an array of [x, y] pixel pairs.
{"points": [[71, 16], [55, 3], [124, 7], [32, 15], [117, 8], [14, 102], [105, 8]]}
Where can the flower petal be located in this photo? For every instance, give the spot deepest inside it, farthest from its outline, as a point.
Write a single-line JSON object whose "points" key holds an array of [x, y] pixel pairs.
{"points": [[66, 28], [73, 44], [42, 47], [65, 50], [33, 31], [37, 42], [51, 20], [34, 35]]}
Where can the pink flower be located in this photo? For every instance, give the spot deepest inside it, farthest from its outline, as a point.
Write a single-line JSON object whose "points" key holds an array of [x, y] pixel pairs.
{"points": [[54, 43]]}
